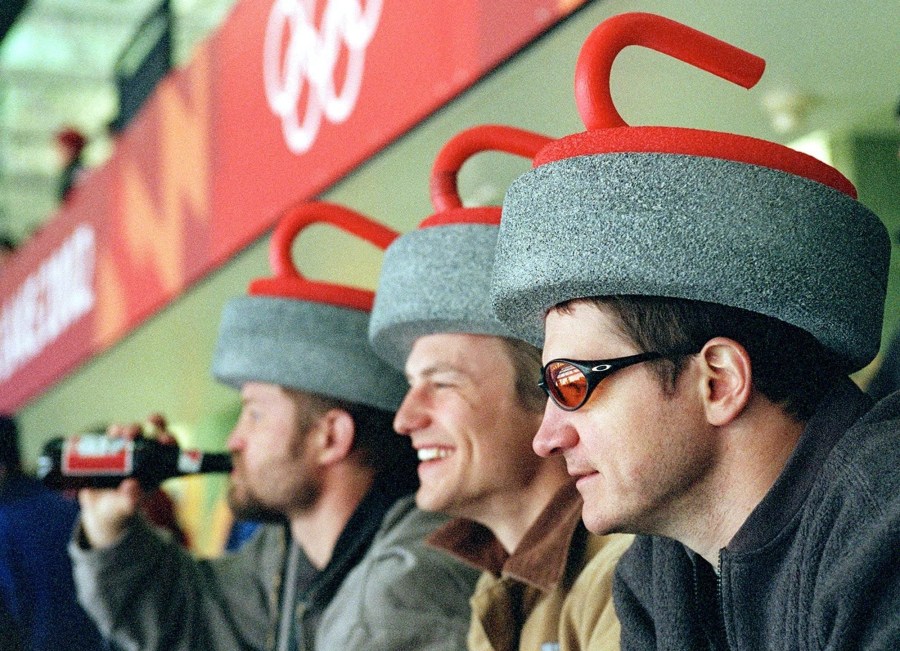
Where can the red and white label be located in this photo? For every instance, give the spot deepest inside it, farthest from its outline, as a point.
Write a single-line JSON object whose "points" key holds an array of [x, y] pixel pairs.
{"points": [[189, 461], [97, 455]]}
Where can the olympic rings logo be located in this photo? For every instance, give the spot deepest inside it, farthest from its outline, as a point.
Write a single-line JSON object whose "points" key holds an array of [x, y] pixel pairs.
{"points": [[297, 57]]}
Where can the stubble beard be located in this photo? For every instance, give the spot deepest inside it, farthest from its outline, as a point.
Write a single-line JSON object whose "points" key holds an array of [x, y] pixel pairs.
{"points": [[245, 506]]}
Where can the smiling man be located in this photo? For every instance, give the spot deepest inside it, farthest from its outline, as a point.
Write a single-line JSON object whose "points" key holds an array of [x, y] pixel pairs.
{"points": [[471, 412], [702, 300], [462, 471]]}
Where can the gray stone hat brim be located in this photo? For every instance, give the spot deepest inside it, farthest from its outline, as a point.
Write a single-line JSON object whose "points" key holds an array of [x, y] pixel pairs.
{"points": [[312, 347], [697, 228], [434, 280]]}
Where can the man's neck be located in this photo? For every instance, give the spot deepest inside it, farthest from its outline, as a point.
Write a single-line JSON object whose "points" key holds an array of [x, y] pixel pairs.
{"points": [[753, 454], [318, 528], [511, 519]]}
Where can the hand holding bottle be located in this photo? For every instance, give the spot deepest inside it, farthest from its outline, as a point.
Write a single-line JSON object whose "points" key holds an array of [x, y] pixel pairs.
{"points": [[106, 512]]}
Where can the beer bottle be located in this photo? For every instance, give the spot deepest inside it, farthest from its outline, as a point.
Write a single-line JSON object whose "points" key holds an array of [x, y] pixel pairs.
{"points": [[100, 461]]}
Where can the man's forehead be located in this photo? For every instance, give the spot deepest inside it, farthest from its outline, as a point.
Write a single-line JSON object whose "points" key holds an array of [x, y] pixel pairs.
{"points": [[261, 391], [447, 352], [580, 309], [580, 329]]}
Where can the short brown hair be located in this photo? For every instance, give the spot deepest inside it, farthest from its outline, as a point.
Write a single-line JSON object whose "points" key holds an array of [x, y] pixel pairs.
{"points": [[790, 367], [375, 442], [526, 361]]}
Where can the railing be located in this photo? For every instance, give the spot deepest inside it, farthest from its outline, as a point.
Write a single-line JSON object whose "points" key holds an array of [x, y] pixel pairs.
{"points": [[144, 61]]}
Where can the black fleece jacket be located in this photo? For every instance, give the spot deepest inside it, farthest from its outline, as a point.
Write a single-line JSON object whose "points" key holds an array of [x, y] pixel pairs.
{"points": [[815, 566]]}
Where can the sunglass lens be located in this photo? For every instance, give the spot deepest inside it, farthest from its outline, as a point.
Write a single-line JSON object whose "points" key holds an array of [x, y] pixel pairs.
{"points": [[567, 384]]}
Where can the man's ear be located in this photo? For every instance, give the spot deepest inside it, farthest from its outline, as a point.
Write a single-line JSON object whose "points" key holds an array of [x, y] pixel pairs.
{"points": [[336, 436], [727, 380]]}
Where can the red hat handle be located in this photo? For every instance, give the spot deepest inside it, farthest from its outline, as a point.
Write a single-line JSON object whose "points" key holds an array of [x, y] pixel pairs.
{"points": [[289, 283], [592, 72], [492, 137]]}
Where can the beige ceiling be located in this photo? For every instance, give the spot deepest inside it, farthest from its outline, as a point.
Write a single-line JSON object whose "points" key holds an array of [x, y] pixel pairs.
{"points": [[838, 61]]}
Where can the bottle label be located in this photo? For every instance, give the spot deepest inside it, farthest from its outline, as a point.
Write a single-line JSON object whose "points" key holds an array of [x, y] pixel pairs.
{"points": [[97, 455], [189, 461]]}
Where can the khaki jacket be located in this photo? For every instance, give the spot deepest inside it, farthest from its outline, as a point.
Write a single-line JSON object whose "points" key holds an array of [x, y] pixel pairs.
{"points": [[553, 593]]}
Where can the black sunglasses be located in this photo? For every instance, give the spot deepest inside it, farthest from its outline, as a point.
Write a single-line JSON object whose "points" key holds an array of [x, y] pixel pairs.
{"points": [[569, 382]]}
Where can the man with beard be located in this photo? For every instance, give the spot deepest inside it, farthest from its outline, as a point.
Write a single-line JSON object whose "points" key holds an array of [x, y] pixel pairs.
{"points": [[342, 564]]}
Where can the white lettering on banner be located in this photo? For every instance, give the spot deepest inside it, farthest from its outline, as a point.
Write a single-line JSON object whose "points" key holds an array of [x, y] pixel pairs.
{"points": [[295, 56], [50, 300]]}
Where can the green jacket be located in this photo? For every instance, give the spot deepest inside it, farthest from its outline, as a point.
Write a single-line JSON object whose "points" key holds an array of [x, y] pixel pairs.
{"points": [[405, 595], [147, 593]]}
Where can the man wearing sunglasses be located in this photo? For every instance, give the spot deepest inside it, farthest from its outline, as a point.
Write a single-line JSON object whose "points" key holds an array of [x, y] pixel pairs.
{"points": [[700, 316], [471, 412]]}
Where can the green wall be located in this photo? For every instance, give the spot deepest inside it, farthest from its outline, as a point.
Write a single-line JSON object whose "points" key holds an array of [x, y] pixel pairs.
{"points": [[876, 172]]}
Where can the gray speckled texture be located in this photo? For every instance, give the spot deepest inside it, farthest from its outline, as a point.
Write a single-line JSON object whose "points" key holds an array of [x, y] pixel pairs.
{"points": [[313, 347], [434, 279], [697, 228]]}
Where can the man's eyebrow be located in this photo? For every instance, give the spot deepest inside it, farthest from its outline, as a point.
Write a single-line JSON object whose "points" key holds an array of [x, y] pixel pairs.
{"points": [[435, 369]]}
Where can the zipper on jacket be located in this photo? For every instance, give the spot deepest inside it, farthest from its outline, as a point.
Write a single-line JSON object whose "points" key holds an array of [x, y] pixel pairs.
{"points": [[708, 604], [720, 604], [288, 599]]}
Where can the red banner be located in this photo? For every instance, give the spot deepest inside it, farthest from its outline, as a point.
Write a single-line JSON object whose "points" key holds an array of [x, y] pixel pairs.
{"points": [[275, 108]]}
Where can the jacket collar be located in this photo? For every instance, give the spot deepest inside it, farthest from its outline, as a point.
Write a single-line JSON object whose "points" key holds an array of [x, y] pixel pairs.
{"points": [[838, 411], [353, 543], [541, 557]]}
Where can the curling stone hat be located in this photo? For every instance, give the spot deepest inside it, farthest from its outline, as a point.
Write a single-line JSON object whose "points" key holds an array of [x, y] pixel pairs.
{"points": [[436, 279], [308, 335], [683, 213]]}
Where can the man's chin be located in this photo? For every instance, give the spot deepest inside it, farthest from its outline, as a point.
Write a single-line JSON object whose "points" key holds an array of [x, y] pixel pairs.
{"points": [[244, 507], [436, 502], [424, 500]]}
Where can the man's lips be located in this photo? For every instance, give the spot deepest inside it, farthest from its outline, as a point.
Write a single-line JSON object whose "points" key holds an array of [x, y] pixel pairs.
{"points": [[579, 471], [581, 477]]}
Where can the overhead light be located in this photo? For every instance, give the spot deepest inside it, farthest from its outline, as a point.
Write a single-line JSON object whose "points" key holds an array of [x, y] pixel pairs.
{"points": [[788, 109]]}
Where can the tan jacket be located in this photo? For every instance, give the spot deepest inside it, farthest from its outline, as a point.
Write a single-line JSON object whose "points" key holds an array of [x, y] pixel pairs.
{"points": [[553, 593]]}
